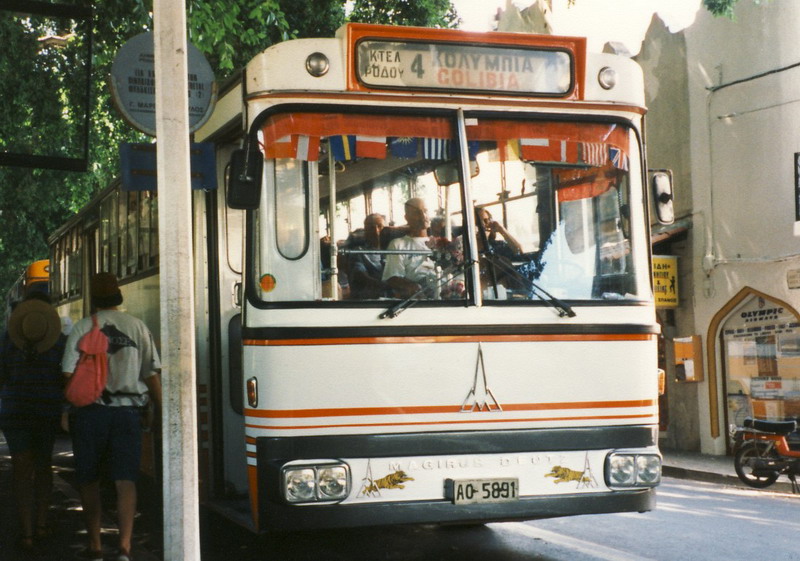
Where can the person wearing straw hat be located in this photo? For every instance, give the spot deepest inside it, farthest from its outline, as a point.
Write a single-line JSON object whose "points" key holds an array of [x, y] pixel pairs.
{"points": [[31, 398], [111, 428]]}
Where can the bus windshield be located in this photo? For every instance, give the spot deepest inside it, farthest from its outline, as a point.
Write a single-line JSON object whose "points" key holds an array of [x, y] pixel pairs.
{"points": [[369, 207]]}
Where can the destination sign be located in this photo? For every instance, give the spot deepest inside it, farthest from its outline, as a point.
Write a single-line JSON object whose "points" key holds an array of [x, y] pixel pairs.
{"points": [[485, 68]]}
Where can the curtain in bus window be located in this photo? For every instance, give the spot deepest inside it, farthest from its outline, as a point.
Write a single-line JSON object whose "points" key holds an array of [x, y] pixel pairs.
{"points": [[299, 136]]}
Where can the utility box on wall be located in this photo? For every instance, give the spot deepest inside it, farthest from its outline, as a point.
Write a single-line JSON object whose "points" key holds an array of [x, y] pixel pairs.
{"points": [[688, 358]]}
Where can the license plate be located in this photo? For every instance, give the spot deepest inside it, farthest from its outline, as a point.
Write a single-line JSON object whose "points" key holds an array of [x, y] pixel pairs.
{"points": [[472, 491]]}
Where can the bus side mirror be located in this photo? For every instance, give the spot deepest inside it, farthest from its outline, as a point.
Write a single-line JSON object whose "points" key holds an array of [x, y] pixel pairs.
{"points": [[244, 179], [661, 184]]}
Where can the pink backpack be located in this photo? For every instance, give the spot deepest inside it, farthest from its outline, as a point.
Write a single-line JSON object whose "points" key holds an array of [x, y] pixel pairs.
{"points": [[89, 379]]}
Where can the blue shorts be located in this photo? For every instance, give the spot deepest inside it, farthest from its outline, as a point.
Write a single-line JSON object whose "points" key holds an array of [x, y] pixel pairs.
{"points": [[39, 440], [111, 435]]}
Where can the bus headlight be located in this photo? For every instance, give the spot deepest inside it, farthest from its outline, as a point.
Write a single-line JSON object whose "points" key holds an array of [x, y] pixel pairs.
{"points": [[632, 469], [332, 482], [648, 469], [299, 485], [315, 483]]}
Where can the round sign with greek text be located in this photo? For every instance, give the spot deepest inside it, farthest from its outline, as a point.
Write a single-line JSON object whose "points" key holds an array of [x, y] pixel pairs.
{"points": [[133, 84]]}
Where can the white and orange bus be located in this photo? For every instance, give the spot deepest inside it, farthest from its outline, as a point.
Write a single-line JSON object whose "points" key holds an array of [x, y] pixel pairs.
{"points": [[486, 352]]}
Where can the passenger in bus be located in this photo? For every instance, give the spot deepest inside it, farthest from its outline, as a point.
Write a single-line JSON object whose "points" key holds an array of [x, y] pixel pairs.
{"points": [[366, 269], [111, 428], [506, 245], [31, 394], [407, 274], [497, 273]]}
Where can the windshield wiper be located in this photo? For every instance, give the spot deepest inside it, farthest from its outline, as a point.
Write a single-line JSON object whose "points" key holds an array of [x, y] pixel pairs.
{"points": [[563, 309], [398, 308]]}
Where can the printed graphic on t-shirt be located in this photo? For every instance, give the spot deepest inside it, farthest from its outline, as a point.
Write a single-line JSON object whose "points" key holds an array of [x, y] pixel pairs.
{"points": [[116, 339]]}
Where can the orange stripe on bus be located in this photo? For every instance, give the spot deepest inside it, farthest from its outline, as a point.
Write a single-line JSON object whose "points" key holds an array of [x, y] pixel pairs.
{"points": [[447, 339], [462, 422], [436, 409]]}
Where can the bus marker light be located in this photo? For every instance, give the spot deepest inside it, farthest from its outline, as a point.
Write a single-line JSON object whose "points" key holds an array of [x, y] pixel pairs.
{"points": [[607, 77], [317, 64], [267, 283], [252, 392]]}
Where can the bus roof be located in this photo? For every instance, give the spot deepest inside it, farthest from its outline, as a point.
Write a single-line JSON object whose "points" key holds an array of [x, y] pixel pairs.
{"points": [[372, 59]]}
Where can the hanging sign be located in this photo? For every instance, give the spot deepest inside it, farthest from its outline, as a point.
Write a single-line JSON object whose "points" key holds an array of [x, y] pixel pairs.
{"points": [[665, 281], [133, 85]]}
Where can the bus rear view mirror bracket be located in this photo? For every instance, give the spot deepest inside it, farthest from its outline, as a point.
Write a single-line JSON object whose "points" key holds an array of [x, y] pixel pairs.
{"points": [[244, 179], [661, 184]]}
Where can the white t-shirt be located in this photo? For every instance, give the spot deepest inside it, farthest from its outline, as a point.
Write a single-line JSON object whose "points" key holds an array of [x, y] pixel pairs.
{"points": [[132, 356], [417, 268]]}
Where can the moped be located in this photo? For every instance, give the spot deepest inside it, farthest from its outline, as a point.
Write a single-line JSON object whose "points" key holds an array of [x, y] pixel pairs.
{"points": [[766, 449]]}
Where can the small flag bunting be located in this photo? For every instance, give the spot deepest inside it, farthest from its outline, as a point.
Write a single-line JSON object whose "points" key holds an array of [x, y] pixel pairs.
{"points": [[371, 147], [435, 148], [618, 158], [403, 147], [343, 147]]}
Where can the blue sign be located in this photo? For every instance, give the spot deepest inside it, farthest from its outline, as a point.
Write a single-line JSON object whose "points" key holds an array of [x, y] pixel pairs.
{"points": [[138, 163]]}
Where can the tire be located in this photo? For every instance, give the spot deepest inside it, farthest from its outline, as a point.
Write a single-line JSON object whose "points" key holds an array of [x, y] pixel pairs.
{"points": [[743, 463]]}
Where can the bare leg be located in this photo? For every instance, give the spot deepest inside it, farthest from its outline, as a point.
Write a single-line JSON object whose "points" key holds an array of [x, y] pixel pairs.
{"points": [[43, 491], [126, 507], [92, 512], [23, 491]]}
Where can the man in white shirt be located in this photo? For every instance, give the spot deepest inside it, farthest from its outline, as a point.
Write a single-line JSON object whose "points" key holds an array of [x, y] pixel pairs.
{"points": [[111, 427], [406, 274]]}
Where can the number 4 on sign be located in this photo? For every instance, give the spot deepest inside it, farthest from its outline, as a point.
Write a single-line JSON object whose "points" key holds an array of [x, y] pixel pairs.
{"points": [[416, 66]]}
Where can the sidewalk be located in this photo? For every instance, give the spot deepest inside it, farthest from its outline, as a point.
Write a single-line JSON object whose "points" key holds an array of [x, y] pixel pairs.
{"points": [[711, 469], [69, 536]]}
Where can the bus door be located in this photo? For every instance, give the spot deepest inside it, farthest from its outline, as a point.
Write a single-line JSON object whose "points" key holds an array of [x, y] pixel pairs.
{"points": [[226, 458]]}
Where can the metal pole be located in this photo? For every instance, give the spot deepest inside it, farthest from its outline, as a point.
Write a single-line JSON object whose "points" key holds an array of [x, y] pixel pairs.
{"points": [[334, 250], [180, 481]]}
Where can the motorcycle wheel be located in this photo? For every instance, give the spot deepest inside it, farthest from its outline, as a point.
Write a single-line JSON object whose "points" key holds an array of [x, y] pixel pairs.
{"points": [[744, 464]]}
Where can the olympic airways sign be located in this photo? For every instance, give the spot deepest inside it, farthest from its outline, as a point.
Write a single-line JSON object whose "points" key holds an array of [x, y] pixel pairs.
{"points": [[464, 67]]}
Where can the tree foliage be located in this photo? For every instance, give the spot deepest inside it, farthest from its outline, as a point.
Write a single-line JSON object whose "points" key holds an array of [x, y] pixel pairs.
{"points": [[423, 13], [39, 110], [720, 7]]}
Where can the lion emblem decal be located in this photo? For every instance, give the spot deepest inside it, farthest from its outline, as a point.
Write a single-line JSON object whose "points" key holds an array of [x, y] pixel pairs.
{"points": [[561, 474], [394, 480]]}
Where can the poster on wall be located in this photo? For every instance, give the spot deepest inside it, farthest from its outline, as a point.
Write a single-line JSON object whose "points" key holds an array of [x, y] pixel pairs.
{"points": [[665, 280], [762, 361]]}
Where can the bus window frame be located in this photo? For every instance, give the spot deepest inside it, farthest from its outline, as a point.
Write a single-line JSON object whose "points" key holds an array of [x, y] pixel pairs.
{"points": [[252, 290], [251, 244]]}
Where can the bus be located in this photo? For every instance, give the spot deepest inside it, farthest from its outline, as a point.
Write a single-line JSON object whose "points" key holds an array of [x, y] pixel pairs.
{"points": [[423, 283]]}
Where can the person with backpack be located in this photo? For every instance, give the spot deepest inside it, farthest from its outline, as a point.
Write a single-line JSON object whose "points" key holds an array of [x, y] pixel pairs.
{"points": [[110, 428], [31, 398]]}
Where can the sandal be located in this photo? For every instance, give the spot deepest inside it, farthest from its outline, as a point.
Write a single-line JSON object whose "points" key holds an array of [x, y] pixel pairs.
{"points": [[91, 555]]}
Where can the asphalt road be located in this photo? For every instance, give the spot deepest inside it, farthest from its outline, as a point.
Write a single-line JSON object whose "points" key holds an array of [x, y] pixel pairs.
{"points": [[693, 521]]}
